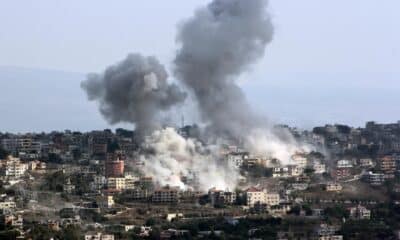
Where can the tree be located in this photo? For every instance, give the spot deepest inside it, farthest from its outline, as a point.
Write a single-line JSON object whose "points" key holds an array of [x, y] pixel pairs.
{"points": [[9, 234], [309, 171], [336, 211], [295, 210], [150, 222], [71, 232], [55, 181]]}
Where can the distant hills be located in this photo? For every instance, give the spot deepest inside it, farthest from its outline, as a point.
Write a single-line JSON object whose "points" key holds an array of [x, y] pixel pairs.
{"points": [[40, 99]]}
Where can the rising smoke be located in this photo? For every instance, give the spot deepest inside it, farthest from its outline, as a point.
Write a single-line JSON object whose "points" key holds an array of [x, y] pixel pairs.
{"points": [[221, 41], [216, 45], [134, 90], [174, 156]]}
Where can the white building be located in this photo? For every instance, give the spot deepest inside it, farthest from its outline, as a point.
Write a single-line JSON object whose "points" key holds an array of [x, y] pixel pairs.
{"points": [[14, 168], [6, 205], [99, 182], [333, 187], [360, 213], [99, 236], [116, 183], [106, 201], [300, 160], [261, 196], [344, 164], [319, 168], [236, 159], [130, 181]]}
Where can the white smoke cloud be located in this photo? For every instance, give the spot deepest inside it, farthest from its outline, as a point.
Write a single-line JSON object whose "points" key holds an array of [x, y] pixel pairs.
{"points": [[172, 156], [264, 142]]}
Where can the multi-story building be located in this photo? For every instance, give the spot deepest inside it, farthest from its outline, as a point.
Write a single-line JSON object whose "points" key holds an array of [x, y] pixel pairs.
{"points": [[319, 168], [360, 213], [106, 201], [333, 187], [130, 182], [6, 205], [14, 168], [114, 165], [375, 179], [137, 194], [343, 169], [24, 146], [166, 195], [220, 197], [10, 145], [68, 187], [99, 182], [287, 171], [236, 159], [299, 160], [366, 162], [97, 143], [116, 183], [13, 220], [261, 196], [387, 164], [99, 236]]}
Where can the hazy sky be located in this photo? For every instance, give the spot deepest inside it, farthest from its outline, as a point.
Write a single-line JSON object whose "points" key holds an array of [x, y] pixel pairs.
{"points": [[335, 54]]}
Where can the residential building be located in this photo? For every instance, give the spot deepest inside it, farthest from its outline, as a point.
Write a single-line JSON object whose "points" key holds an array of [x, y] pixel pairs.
{"points": [[299, 160], [261, 196], [6, 205], [333, 187], [14, 168], [220, 197], [360, 213], [166, 195], [375, 179], [99, 236], [387, 164], [114, 165], [116, 183]]}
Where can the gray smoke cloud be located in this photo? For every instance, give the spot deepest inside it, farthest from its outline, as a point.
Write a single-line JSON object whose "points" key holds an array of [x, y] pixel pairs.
{"points": [[221, 41], [134, 90]]}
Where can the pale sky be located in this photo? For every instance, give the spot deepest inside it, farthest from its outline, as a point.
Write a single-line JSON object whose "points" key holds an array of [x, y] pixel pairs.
{"points": [[327, 60]]}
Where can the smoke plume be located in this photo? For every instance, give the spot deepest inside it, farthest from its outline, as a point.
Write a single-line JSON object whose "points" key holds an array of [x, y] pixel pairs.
{"points": [[172, 157], [134, 90], [216, 45], [221, 41]]}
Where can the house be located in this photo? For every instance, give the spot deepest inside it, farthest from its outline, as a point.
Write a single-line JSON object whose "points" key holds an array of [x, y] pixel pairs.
{"points": [[13, 220], [366, 162], [333, 187], [375, 179], [116, 183], [166, 195], [287, 171], [14, 168], [343, 169], [299, 160], [387, 164], [6, 205], [99, 236], [261, 196], [68, 187], [106, 201], [319, 168], [220, 197], [360, 213]]}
